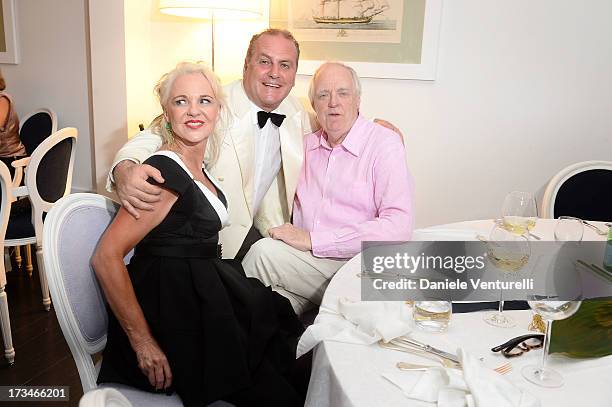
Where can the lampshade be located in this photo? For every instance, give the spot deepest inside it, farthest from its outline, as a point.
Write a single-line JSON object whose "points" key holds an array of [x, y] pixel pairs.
{"points": [[221, 9]]}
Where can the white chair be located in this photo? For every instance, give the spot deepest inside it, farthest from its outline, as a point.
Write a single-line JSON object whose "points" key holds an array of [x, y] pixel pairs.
{"points": [[48, 178], [33, 129], [72, 230], [583, 190], [104, 398], [5, 209]]}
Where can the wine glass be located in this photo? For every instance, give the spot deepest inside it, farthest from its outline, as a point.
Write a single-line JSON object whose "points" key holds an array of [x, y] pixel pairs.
{"points": [[519, 212], [549, 311], [568, 229], [508, 252]]}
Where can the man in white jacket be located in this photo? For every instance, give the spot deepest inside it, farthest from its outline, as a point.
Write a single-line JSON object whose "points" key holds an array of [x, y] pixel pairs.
{"points": [[260, 155], [261, 151]]}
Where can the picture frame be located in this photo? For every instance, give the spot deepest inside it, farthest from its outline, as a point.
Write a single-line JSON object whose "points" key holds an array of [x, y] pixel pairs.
{"points": [[9, 51], [411, 54]]}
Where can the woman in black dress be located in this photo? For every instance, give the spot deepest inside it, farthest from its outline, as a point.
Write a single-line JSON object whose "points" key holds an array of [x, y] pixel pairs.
{"points": [[183, 319]]}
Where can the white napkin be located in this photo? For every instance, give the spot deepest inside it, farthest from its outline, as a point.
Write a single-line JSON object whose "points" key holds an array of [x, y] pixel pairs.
{"points": [[362, 322], [476, 386]]}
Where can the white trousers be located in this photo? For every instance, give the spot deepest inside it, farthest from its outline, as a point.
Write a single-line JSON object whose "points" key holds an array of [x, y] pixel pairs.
{"points": [[297, 275]]}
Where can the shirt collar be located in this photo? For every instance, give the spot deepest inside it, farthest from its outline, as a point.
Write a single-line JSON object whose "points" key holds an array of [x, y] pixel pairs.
{"points": [[353, 142], [254, 109]]}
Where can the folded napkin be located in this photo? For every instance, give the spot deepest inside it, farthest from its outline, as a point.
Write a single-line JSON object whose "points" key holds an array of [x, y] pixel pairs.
{"points": [[361, 322], [475, 386]]}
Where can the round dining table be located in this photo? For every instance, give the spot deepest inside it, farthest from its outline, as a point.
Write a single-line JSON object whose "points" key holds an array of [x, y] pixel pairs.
{"points": [[351, 375]]}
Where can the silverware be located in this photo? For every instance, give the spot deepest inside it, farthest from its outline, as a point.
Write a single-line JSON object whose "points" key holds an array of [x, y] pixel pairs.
{"points": [[597, 270], [411, 366], [536, 237], [425, 348], [409, 349], [595, 228]]}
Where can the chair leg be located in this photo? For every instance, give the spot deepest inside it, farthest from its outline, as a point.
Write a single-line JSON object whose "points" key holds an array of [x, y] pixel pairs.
{"points": [[18, 256], [28, 254], [44, 285], [7, 260], [5, 322]]}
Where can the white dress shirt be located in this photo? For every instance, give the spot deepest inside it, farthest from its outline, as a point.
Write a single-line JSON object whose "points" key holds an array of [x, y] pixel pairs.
{"points": [[267, 157]]}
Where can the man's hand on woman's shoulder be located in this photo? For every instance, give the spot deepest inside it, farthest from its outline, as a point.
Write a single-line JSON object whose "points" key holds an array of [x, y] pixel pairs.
{"points": [[390, 126], [134, 192]]}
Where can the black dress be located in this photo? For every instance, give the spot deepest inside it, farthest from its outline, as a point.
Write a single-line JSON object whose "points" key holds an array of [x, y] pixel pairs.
{"points": [[226, 336]]}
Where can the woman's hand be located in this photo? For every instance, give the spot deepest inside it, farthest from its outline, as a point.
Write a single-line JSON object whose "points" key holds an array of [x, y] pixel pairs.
{"points": [[153, 363]]}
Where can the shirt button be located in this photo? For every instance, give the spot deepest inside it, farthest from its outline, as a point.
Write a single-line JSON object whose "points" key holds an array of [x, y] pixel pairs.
{"points": [[220, 178]]}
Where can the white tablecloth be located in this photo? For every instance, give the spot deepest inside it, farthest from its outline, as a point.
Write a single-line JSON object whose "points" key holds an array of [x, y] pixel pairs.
{"points": [[348, 375]]}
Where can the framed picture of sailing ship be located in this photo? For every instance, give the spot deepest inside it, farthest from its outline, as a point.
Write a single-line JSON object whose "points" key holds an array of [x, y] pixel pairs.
{"points": [[8, 33], [379, 38]]}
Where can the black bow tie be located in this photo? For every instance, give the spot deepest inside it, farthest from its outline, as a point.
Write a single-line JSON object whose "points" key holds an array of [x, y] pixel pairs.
{"points": [[275, 118]]}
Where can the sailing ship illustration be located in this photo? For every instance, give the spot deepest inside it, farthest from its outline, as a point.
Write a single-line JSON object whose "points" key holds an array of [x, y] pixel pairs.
{"points": [[351, 12]]}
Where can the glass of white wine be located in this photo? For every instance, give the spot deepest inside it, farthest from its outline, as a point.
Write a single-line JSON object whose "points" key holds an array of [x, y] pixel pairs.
{"points": [[508, 252], [549, 311], [519, 212]]}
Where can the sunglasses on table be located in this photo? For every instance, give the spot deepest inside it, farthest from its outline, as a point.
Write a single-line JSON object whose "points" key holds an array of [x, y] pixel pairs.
{"points": [[519, 345]]}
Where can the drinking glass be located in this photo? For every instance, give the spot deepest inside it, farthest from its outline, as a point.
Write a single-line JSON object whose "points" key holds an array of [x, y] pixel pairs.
{"points": [[568, 229], [432, 316], [519, 212], [508, 252], [549, 311]]}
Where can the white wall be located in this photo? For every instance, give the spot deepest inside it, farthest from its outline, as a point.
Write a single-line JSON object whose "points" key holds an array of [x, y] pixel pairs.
{"points": [[108, 94], [155, 42], [523, 89], [53, 71]]}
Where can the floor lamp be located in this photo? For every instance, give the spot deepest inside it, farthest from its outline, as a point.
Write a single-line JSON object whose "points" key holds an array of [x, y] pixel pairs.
{"points": [[211, 10]]}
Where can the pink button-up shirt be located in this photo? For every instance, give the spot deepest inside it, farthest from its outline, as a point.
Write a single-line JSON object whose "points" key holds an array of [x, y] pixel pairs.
{"points": [[359, 190]]}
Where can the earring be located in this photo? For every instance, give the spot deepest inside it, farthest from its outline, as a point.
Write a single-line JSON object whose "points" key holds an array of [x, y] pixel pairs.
{"points": [[169, 127]]}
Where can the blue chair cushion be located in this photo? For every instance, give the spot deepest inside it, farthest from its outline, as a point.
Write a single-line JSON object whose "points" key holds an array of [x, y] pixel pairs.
{"points": [[20, 221]]}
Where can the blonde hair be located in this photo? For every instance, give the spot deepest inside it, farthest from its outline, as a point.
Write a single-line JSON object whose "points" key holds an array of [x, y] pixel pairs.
{"points": [[159, 125]]}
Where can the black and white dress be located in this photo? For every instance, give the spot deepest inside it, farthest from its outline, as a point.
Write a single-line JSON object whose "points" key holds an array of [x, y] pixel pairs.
{"points": [[226, 336]]}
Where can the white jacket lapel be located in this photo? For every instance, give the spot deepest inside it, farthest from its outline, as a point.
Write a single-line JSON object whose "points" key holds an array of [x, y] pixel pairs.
{"points": [[241, 133]]}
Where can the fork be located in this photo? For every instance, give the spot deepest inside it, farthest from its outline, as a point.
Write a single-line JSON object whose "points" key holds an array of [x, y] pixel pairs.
{"points": [[503, 369], [405, 366], [443, 361], [595, 228]]}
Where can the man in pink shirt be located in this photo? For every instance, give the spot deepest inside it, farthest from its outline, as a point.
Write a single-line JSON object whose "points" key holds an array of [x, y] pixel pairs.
{"points": [[354, 186]]}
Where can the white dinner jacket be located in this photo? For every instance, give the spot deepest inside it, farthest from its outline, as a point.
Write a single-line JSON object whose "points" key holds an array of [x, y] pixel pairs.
{"points": [[235, 167]]}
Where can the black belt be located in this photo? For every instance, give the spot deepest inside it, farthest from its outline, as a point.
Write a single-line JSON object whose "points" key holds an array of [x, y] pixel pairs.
{"points": [[191, 251]]}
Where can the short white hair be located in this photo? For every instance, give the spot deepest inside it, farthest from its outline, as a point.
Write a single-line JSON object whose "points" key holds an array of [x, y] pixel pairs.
{"points": [[354, 77]]}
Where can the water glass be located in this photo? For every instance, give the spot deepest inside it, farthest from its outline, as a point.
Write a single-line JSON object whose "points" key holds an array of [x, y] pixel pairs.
{"points": [[568, 229]]}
